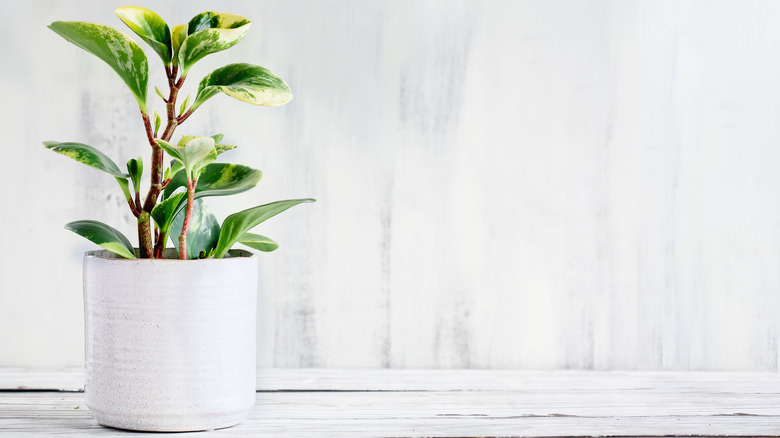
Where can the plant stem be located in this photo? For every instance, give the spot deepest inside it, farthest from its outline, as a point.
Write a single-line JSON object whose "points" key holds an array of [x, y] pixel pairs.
{"points": [[184, 116], [148, 128], [159, 245], [133, 207], [187, 216], [144, 235], [158, 156], [157, 152]]}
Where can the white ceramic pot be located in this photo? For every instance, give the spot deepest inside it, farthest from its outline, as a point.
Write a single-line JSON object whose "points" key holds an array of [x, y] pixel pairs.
{"points": [[170, 344]]}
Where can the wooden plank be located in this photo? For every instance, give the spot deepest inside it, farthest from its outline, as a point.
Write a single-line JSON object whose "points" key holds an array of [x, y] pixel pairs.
{"points": [[38, 379], [322, 379], [482, 380], [347, 403], [486, 413]]}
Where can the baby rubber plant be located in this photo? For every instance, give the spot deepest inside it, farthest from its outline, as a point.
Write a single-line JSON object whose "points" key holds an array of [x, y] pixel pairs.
{"points": [[174, 200]]}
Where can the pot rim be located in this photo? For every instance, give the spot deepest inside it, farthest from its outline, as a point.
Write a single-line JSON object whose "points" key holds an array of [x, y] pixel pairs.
{"points": [[108, 255]]}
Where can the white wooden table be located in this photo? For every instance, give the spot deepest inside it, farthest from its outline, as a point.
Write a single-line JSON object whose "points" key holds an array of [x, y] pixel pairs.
{"points": [[410, 403]]}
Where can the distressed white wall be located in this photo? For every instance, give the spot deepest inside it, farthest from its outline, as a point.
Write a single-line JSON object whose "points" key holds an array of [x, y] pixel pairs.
{"points": [[508, 184]]}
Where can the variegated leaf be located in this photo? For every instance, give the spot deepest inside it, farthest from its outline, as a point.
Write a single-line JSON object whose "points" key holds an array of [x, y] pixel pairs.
{"points": [[93, 158], [115, 48], [218, 146], [104, 235], [237, 224], [218, 179], [258, 242], [246, 82], [88, 155], [215, 20], [210, 32], [194, 154], [202, 234], [178, 34], [150, 27], [222, 148]]}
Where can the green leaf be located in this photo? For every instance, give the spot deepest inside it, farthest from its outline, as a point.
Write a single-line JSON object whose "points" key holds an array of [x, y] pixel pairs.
{"points": [[218, 146], [210, 32], [157, 122], [221, 148], [218, 179], [104, 235], [186, 139], [215, 20], [178, 34], [93, 158], [125, 188], [135, 167], [115, 48], [246, 82], [194, 153], [88, 155], [164, 212], [150, 27], [258, 242], [239, 223], [184, 105], [203, 232], [175, 168]]}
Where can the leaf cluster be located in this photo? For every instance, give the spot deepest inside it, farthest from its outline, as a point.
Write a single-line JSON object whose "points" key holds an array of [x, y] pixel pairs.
{"points": [[175, 200]]}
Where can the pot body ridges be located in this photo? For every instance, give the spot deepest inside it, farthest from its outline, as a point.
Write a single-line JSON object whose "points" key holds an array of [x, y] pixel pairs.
{"points": [[170, 344]]}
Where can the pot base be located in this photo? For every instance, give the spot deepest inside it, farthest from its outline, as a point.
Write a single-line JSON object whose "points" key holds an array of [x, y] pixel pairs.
{"points": [[169, 423]]}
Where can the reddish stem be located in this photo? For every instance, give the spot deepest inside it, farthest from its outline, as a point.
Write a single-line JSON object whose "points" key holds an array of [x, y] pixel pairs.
{"points": [[187, 216], [185, 116], [159, 247], [133, 208], [148, 128], [158, 156], [144, 235]]}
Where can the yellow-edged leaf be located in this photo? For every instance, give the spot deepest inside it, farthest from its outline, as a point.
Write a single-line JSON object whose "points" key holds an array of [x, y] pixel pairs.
{"points": [[104, 235], [245, 82], [115, 48], [210, 32], [150, 27]]}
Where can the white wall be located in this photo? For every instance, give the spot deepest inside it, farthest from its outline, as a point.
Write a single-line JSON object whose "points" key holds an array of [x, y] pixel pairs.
{"points": [[549, 184]]}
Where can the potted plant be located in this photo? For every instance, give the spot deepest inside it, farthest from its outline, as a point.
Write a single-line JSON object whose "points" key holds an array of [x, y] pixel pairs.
{"points": [[170, 332]]}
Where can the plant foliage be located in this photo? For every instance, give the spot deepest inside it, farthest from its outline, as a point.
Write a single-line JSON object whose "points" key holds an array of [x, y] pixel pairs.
{"points": [[174, 202]]}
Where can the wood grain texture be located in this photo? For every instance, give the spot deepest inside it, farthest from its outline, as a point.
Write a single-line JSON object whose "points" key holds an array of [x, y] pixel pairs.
{"points": [[536, 185], [333, 402], [353, 379]]}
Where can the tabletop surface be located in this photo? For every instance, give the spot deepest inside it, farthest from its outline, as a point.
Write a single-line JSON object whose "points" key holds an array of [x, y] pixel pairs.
{"points": [[439, 403]]}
